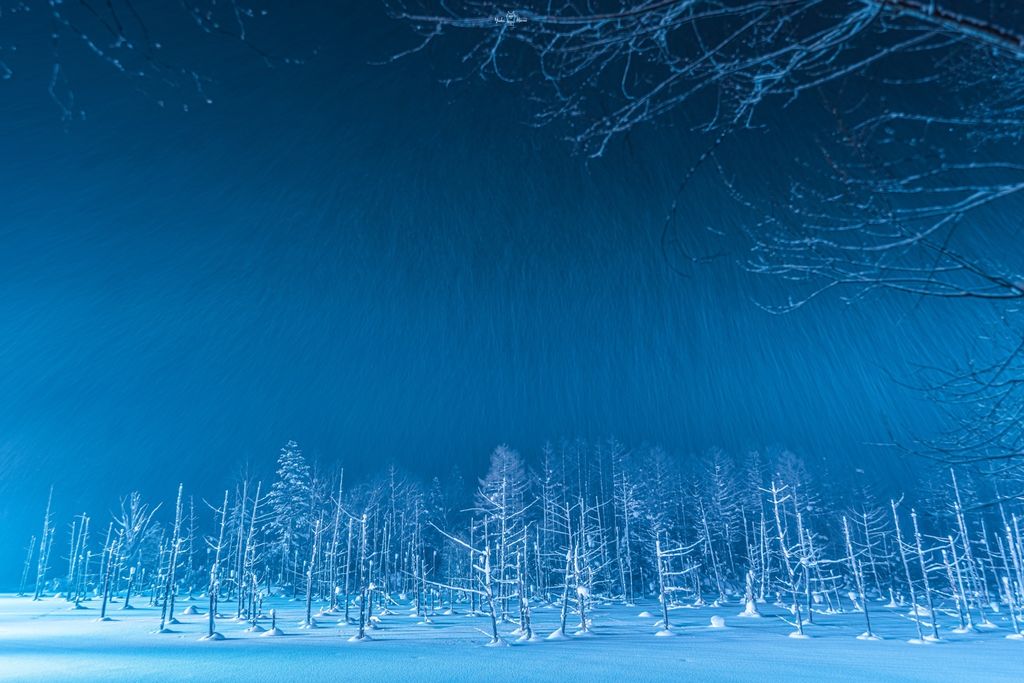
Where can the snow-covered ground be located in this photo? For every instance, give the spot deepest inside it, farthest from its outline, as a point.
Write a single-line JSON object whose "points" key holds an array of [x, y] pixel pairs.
{"points": [[46, 641]]}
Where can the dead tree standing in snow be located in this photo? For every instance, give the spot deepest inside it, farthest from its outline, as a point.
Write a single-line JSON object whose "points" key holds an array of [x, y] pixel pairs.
{"points": [[778, 499], [307, 622], [213, 589], [45, 543], [906, 570], [924, 575], [28, 565], [480, 562], [856, 571], [110, 552], [167, 609], [364, 584]]}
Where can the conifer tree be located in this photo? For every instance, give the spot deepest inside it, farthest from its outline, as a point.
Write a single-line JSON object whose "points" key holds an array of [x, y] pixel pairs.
{"points": [[290, 510]]}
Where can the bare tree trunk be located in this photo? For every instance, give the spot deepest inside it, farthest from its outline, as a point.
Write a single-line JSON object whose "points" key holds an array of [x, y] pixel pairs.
{"points": [[213, 589], [489, 594], [308, 621], [106, 581], [363, 580], [969, 625], [239, 582], [167, 610], [781, 531], [924, 575], [858, 578], [906, 571], [128, 591], [348, 572], [954, 591], [565, 591], [525, 628], [665, 625], [1013, 607], [45, 543], [28, 566]]}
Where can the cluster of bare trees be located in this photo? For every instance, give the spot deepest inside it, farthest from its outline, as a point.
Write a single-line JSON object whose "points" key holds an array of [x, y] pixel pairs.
{"points": [[603, 68], [579, 527]]}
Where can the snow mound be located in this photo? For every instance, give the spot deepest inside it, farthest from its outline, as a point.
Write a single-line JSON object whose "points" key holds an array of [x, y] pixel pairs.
{"points": [[191, 609], [557, 634], [664, 633], [272, 633], [717, 621], [868, 636], [213, 636], [750, 611], [645, 615]]}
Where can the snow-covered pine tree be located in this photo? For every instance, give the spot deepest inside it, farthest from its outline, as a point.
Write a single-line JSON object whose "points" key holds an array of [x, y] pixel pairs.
{"points": [[290, 512]]}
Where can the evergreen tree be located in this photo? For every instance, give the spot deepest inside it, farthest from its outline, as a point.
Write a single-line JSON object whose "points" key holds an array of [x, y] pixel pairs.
{"points": [[290, 502]]}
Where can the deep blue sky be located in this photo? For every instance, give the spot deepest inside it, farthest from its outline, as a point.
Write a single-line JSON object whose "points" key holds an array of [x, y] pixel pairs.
{"points": [[355, 257]]}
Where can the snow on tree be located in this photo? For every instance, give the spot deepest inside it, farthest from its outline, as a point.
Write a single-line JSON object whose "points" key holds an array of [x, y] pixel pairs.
{"points": [[501, 501], [551, 545], [291, 514], [213, 588]]}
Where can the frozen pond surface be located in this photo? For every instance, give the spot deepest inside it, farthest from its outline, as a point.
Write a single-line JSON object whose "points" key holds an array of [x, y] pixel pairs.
{"points": [[46, 641]]}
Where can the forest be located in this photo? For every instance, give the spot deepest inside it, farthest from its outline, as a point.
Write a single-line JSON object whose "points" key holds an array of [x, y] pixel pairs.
{"points": [[580, 526]]}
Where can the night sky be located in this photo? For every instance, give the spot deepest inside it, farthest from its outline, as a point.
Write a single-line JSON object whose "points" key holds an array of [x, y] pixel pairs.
{"points": [[386, 269]]}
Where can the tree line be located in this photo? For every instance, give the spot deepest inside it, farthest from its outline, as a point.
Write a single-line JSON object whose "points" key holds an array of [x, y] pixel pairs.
{"points": [[577, 527]]}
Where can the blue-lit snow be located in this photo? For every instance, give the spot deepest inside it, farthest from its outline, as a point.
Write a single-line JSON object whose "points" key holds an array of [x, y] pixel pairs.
{"points": [[45, 641]]}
